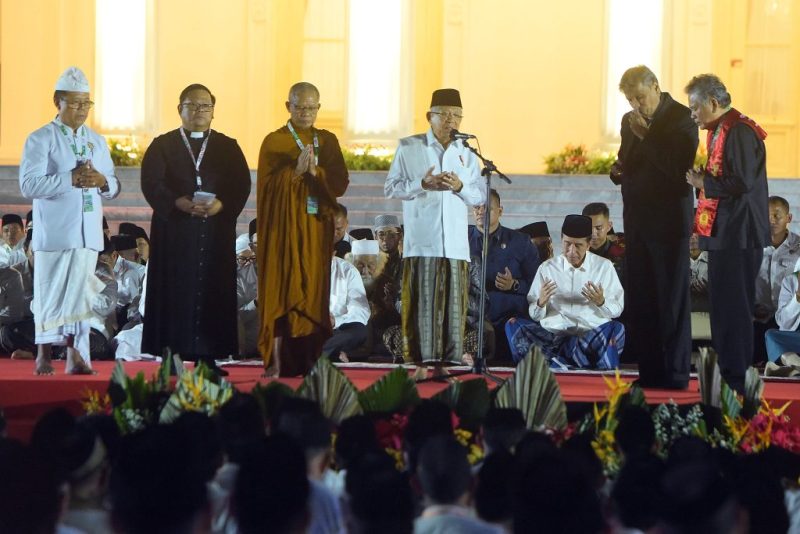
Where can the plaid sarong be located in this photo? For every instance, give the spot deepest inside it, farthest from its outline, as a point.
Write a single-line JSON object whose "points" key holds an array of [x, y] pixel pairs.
{"points": [[598, 348], [434, 309]]}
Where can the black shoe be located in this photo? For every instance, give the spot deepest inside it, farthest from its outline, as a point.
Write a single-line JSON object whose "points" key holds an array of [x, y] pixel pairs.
{"points": [[673, 384], [214, 368]]}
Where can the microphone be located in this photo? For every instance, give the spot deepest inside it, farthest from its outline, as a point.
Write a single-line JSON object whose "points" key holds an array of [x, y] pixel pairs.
{"points": [[455, 134]]}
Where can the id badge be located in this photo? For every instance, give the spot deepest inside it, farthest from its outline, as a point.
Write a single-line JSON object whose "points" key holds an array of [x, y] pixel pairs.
{"points": [[88, 204], [312, 205]]}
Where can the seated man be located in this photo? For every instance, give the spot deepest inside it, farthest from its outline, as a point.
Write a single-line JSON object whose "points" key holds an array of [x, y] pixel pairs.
{"points": [[777, 263], [142, 241], [384, 296], [698, 276], [787, 339], [573, 301], [12, 249], [18, 338], [602, 243], [341, 239], [511, 264], [16, 319], [246, 294], [104, 307], [349, 309], [128, 272], [539, 235], [389, 235]]}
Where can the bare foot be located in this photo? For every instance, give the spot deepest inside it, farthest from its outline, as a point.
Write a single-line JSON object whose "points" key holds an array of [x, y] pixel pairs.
{"points": [[440, 372], [22, 355], [467, 359], [77, 365], [44, 367], [343, 357]]}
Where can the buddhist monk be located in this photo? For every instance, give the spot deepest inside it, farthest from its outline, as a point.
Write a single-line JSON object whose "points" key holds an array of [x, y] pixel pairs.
{"points": [[301, 172]]}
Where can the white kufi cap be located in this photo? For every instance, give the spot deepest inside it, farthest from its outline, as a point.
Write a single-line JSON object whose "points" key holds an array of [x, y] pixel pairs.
{"points": [[242, 243], [73, 79], [364, 247]]}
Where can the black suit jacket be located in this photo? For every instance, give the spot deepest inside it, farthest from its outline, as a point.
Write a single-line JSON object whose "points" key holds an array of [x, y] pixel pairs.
{"points": [[743, 211], [658, 202]]}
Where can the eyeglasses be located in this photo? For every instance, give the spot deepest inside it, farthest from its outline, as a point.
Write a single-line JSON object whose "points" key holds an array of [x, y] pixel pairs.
{"points": [[386, 235], [79, 105], [306, 109], [448, 115], [242, 260], [202, 108]]}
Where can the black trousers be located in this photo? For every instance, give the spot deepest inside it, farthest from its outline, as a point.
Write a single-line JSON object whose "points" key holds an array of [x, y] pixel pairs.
{"points": [[658, 327], [346, 338], [19, 335], [732, 292]]}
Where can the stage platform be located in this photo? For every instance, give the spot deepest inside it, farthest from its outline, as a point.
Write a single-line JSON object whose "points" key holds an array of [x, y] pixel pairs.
{"points": [[24, 397]]}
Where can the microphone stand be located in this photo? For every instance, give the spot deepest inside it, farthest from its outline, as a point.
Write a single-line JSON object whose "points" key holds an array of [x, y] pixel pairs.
{"points": [[479, 363]]}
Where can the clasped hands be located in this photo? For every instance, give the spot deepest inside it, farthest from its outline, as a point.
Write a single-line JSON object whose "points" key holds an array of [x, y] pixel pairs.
{"points": [[306, 162], [591, 291], [696, 178], [186, 205], [638, 124], [86, 176], [444, 181]]}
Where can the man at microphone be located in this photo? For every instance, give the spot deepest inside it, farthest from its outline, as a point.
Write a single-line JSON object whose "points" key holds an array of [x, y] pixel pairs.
{"points": [[437, 178]]}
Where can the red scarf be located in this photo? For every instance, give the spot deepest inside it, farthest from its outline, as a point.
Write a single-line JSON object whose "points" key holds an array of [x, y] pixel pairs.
{"points": [[706, 212]]}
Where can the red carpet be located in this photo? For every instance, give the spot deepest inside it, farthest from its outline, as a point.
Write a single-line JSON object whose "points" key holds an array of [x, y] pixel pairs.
{"points": [[25, 397]]}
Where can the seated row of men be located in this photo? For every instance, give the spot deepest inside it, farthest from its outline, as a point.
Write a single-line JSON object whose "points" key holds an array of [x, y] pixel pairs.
{"points": [[522, 308], [120, 268], [521, 292]]}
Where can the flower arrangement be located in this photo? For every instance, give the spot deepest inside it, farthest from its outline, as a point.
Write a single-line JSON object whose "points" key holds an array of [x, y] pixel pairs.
{"points": [[138, 402], [125, 151], [367, 157], [576, 159]]}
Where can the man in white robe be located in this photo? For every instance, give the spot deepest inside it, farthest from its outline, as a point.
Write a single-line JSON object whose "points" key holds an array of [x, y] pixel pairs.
{"points": [[66, 170]]}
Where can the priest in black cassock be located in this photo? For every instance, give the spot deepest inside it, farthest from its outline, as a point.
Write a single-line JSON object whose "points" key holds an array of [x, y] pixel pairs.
{"points": [[197, 182]]}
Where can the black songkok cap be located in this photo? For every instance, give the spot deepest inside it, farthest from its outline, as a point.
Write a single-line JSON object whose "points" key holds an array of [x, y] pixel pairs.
{"points": [[105, 223], [29, 217], [537, 229], [123, 242], [446, 97], [11, 218], [127, 228], [108, 247], [577, 226], [252, 228]]}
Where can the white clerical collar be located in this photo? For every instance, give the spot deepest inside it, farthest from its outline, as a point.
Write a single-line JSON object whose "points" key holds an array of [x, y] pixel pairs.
{"points": [[197, 135]]}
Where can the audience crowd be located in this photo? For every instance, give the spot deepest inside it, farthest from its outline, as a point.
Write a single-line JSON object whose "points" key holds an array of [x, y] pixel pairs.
{"points": [[294, 472]]}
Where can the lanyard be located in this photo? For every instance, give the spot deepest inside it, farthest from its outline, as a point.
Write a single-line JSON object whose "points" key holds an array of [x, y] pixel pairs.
{"points": [[300, 144], [71, 139], [199, 159]]}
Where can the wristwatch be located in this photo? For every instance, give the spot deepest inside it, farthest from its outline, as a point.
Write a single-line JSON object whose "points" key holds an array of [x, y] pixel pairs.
{"points": [[515, 286]]}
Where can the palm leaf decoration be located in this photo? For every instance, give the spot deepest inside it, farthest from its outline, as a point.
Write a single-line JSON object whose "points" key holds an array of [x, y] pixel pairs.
{"points": [[470, 400], [332, 390], [534, 390], [709, 377], [270, 396], [753, 392], [393, 392], [196, 392], [714, 391]]}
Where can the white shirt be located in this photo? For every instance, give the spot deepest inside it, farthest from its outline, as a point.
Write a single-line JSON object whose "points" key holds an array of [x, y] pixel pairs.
{"points": [[104, 305], [435, 221], [568, 311], [776, 263], [348, 296], [788, 313], [45, 175], [10, 256], [129, 277]]}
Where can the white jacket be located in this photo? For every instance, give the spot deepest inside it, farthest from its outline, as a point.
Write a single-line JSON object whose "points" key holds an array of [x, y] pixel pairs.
{"points": [[45, 175], [435, 222]]}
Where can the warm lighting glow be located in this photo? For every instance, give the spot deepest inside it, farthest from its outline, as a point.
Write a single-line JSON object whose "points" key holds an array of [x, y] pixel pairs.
{"points": [[375, 86], [120, 69], [634, 38]]}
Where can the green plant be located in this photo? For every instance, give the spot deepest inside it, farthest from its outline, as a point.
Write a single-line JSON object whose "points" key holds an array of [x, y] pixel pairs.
{"points": [[393, 392], [576, 159], [534, 390], [332, 390], [125, 151], [367, 158]]}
